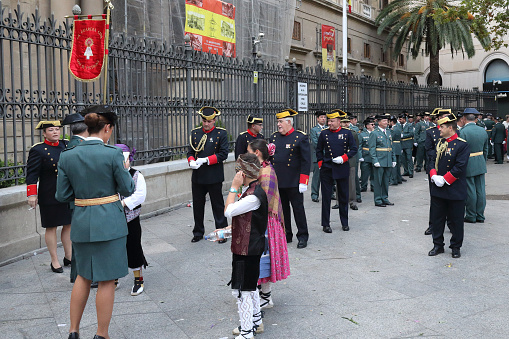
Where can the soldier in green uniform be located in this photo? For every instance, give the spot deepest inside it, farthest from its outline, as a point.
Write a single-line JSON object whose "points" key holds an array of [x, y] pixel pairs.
{"points": [[396, 130], [407, 137], [380, 149], [365, 159], [477, 140], [480, 121], [419, 140], [321, 124], [498, 140], [489, 123]]}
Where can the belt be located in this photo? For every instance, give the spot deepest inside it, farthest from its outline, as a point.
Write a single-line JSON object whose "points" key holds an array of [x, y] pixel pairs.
{"points": [[396, 141], [96, 201], [365, 149], [488, 130], [407, 139], [476, 154], [384, 149]]}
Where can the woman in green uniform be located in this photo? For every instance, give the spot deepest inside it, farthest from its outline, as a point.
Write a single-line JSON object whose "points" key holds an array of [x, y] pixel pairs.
{"points": [[92, 174]]}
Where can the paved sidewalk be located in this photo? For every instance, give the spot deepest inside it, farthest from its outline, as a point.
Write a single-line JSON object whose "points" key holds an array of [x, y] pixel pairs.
{"points": [[375, 281]]}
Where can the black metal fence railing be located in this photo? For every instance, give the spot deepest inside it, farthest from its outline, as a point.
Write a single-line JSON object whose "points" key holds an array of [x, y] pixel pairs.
{"points": [[157, 89]]}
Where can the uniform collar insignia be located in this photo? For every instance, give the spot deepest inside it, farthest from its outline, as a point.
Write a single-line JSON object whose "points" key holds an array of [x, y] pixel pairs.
{"points": [[210, 130], [455, 136], [251, 133], [51, 143], [290, 131]]}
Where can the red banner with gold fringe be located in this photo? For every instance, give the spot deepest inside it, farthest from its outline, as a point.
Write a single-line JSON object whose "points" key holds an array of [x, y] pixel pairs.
{"points": [[88, 49]]}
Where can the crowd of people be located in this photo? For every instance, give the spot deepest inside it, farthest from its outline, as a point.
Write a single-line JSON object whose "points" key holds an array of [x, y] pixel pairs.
{"points": [[87, 181]]}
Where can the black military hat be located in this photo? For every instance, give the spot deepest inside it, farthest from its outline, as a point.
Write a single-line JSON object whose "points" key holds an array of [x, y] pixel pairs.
{"points": [[410, 115], [368, 121], [286, 113], [209, 112], [426, 114], [254, 120], [106, 111], [489, 114], [393, 118], [447, 118], [402, 116], [351, 116], [47, 123], [404, 111], [337, 113], [383, 116], [459, 114], [72, 118], [319, 113], [421, 114]]}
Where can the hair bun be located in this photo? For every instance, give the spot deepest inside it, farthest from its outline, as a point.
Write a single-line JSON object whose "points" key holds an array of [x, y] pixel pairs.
{"points": [[92, 119], [271, 148]]}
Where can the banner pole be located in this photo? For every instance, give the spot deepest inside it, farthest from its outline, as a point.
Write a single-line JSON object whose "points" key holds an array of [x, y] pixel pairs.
{"points": [[106, 45]]}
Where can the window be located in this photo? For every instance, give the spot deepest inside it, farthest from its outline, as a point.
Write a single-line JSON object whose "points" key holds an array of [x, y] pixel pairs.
{"points": [[367, 51], [401, 62], [383, 55], [296, 31], [349, 45]]}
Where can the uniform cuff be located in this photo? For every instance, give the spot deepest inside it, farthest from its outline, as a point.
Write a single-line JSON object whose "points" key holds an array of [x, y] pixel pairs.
{"points": [[304, 179], [212, 159], [191, 159], [432, 172], [320, 163], [31, 190], [449, 178], [345, 158]]}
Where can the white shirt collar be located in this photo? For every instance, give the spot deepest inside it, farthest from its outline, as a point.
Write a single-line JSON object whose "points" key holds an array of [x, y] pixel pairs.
{"points": [[93, 138]]}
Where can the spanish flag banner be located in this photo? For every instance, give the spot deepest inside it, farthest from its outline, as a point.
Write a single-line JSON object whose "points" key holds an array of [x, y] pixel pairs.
{"points": [[329, 48], [88, 49], [349, 6], [211, 26]]}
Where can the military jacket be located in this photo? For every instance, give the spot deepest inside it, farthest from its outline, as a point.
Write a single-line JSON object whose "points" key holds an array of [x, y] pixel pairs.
{"points": [[243, 140], [452, 165], [407, 139], [313, 140], [477, 141], [215, 148], [380, 147], [480, 123], [332, 144], [292, 158], [42, 166], [432, 135], [396, 131], [75, 140], [90, 170], [363, 146], [498, 133], [420, 131], [489, 124]]}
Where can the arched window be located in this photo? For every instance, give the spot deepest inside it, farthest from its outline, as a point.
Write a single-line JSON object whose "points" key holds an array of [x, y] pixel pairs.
{"points": [[496, 70]]}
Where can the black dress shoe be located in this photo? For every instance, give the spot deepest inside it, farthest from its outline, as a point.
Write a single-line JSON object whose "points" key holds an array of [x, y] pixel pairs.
{"points": [[197, 238], [74, 335], [288, 240], [456, 253], [222, 241], [302, 244], [417, 170], [315, 200], [94, 284], [388, 203], [436, 250], [333, 197], [372, 189], [364, 189], [405, 174], [327, 229], [411, 176], [346, 228], [403, 179], [393, 184], [359, 200], [354, 207], [380, 205], [480, 221], [67, 262], [98, 337], [335, 207], [428, 231], [56, 270], [469, 221]]}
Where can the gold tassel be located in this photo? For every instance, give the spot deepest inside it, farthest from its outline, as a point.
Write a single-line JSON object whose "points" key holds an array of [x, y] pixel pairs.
{"points": [[201, 144], [441, 149]]}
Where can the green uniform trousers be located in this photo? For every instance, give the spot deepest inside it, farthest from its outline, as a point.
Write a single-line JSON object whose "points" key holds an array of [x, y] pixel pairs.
{"points": [[396, 177], [406, 161], [381, 184], [476, 198], [315, 181], [420, 157], [366, 173]]}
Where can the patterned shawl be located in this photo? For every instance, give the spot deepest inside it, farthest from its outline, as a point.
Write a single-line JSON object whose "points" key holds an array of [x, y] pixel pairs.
{"points": [[268, 181]]}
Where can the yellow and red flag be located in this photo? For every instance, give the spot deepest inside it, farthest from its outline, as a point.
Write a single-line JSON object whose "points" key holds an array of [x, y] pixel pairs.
{"points": [[329, 48], [349, 6], [88, 49], [211, 26]]}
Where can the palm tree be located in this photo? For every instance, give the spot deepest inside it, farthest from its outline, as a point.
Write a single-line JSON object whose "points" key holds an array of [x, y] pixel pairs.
{"points": [[434, 22]]}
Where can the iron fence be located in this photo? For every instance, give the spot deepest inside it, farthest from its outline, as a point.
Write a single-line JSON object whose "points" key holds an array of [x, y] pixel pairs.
{"points": [[157, 89]]}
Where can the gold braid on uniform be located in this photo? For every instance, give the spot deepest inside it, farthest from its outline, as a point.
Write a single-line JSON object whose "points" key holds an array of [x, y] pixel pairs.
{"points": [[441, 148], [201, 144]]}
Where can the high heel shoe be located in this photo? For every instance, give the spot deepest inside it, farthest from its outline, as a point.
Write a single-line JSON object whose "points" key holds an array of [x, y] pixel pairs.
{"points": [[67, 262], [98, 337], [56, 270], [74, 335]]}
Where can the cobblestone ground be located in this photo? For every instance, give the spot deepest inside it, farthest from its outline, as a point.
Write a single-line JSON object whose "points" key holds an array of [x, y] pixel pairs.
{"points": [[375, 281]]}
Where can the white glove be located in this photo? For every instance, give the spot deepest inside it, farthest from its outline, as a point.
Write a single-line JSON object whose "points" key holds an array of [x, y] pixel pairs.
{"points": [[438, 180], [303, 188], [415, 144], [376, 164], [393, 164], [402, 135], [503, 142], [193, 164], [201, 161], [491, 142], [361, 159], [337, 160]]}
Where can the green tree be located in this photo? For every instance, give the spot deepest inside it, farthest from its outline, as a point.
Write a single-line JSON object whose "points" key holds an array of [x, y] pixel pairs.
{"points": [[414, 22]]}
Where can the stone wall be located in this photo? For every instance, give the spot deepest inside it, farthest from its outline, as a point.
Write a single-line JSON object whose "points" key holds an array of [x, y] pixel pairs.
{"points": [[168, 187]]}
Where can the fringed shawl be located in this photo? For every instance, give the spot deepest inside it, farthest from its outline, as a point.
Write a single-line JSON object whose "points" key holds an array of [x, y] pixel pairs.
{"points": [[268, 181]]}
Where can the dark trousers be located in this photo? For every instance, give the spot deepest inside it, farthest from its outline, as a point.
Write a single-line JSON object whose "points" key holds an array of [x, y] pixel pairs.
{"points": [[406, 161], [452, 211], [499, 153], [315, 181], [381, 184], [357, 182], [135, 256], [291, 195], [396, 177], [490, 149], [326, 181], [366, 172], [199, 192], [420, 156]]}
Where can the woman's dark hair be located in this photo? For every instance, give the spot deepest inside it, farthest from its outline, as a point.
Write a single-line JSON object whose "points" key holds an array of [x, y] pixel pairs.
{"points": [[260, 145], [96, 122]]}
